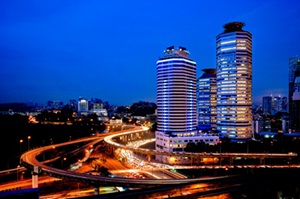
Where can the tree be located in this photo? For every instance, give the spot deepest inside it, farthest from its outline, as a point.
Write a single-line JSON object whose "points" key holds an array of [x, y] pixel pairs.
{"points": [[190, 147], [201, 146]]}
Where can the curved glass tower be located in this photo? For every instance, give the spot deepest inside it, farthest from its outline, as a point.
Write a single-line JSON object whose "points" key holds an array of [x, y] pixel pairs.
{"points": [[176, 92], [206, 100], [176, 106], [234, 82]]}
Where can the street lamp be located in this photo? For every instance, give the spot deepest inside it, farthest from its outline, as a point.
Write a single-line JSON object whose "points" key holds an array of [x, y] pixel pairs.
{"points": [[21, 141], [29, 137]]}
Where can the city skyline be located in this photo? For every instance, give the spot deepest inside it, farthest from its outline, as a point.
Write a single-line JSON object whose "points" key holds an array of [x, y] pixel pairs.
{"points": [[63, 50]]}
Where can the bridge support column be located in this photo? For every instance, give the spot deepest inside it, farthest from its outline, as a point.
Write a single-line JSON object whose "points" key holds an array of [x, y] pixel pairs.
{"points": [[34, 174], [96, 190], [149, 158], [35, 183]]}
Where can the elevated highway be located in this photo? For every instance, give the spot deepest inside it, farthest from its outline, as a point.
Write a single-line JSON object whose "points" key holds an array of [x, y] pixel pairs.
{"points": [[110, 141], [29, 161]]}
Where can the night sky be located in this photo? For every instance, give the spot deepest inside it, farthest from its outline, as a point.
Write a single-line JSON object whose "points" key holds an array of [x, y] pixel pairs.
{"points": [[61, 50]]}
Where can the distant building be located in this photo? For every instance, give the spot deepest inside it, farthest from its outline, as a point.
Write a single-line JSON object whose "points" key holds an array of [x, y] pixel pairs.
{"points": [[294, 71], [296, 103], [274, 104], [258, 125], [56, 104], [284, 104], [176, 105], [267, 105], [83, 106], [234, 82], [206, 100], [98, 109], [277, 104], [73, 104]]}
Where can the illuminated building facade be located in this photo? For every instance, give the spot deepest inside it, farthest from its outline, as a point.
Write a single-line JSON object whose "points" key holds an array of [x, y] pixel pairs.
{"points": [[83, 106], [176, 104], [176, 92], [206, 100], [234, 82]]}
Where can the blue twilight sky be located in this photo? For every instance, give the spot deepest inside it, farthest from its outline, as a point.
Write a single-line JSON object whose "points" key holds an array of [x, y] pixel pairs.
{"points": [[60, 50]]}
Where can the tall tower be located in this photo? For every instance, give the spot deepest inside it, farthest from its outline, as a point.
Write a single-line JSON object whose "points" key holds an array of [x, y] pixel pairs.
{"points": [[176, 106], [206, 100], [234, 81], [176, 92]]}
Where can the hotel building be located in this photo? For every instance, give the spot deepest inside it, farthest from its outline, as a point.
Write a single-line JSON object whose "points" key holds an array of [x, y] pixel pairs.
{"points": [[176, 105], [234, 82]]}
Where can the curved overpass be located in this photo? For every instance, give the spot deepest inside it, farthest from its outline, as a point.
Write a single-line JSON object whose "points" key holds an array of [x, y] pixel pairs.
{"points": [[109, 140], [29, 161]]}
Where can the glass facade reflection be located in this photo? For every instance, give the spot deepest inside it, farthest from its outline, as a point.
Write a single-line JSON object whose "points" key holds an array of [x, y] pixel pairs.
{"points": [[206, 100], [234, 81]]}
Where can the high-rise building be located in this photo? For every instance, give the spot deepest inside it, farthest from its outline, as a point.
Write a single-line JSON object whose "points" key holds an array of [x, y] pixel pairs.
{"points": [[83, 105], [294, 71], [273, 104], [277, 104], [234, 81], [296, 104], [176, 104], [176, 92], [284, 104], [267, 105], [206, 100]]}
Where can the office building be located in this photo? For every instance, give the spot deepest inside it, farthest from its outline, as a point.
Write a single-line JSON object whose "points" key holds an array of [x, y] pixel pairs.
{"points": [[176, 105], [267, 105], [206, 100], [234, 82], [83, 106]]}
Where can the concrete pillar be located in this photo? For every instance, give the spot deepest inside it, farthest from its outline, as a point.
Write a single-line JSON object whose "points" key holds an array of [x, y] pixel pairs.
{"points": [[149, 158], [96, 190], [35, 183], [34, 176]]}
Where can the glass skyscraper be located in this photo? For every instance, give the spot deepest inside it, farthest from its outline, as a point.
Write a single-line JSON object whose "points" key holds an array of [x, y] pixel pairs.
{"points": [[234, 82], [206, 100]]}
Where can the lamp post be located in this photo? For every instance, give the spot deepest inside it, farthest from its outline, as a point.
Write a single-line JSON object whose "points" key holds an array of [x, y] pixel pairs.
{"points": [[29, 137], [21, 141]]}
